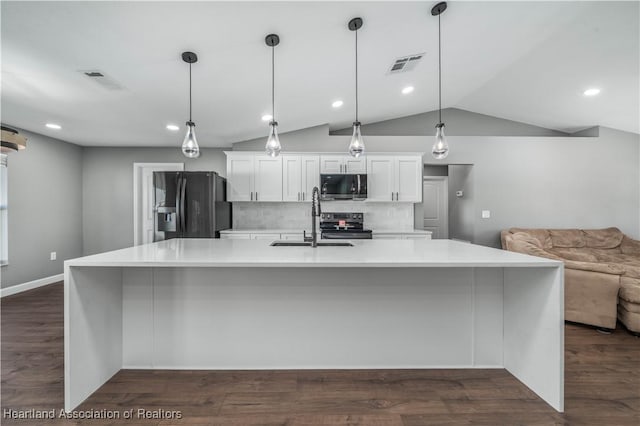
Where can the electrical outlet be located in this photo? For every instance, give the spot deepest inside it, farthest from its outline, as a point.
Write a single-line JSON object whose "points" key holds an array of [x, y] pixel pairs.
{"points": [[486, 214], [53, 255]]}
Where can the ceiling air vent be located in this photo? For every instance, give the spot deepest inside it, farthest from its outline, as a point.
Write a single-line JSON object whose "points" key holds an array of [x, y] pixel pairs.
{"points": [[406, 63], [102, 79]]}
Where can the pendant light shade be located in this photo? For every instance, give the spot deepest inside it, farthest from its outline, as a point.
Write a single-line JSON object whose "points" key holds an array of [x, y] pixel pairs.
{"points": [[356, 146], [190, 147], [273, 147], [440, 148]]}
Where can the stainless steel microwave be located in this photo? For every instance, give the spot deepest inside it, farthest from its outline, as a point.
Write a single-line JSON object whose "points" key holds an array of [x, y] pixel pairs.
{"points": [[343, 187]]}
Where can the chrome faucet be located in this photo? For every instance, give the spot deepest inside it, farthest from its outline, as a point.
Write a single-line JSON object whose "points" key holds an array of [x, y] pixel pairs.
{"points": [[315, 212]]}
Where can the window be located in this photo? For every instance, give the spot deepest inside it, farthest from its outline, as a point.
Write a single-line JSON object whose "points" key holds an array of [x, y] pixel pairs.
{"points": [[4, 226]]}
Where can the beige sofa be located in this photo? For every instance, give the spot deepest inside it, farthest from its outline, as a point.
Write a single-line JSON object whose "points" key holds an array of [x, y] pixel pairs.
{"points": [[602, 271]]}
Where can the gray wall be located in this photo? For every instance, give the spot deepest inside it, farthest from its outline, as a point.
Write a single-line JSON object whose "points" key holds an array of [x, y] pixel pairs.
{"points": [[458, 122], [107, 190], [45, 208], [562, 182]]}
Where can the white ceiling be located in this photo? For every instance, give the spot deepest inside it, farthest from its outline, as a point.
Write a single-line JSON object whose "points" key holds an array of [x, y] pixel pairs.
{"points": [[525, 61]]}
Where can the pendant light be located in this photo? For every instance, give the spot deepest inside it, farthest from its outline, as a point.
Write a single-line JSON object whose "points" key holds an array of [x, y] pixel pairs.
{"points": [[190, 147], [356, 147], [273, 147], [440, 148]]}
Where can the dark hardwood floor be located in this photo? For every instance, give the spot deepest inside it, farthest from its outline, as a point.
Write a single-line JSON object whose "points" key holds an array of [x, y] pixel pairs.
{"points": [[602, 385]]}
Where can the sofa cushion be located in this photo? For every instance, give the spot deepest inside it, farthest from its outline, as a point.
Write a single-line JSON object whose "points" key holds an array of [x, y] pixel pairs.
{"points": [[629, 289], [522, 242], [580, 255], [631, 320], [629, 246], [567, 238], [611, 256], [603, 238], [542, 235], [629, 306]]}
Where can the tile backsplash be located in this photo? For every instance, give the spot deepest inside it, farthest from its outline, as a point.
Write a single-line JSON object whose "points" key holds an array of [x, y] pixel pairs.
{"points": [[377, 216]]}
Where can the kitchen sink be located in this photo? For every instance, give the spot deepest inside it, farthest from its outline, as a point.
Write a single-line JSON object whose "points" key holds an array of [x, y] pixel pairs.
{"points": [[308, 244]]}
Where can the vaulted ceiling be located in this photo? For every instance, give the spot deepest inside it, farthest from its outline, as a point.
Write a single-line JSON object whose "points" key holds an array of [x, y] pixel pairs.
{"points": [[524, 61]]}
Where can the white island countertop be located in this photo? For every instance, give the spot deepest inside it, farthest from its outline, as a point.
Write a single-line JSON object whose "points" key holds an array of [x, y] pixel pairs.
{"points": [[259, 253]]}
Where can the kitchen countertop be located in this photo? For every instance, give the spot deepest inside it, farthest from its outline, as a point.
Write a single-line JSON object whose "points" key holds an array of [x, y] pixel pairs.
{"points": [[259, 253]]}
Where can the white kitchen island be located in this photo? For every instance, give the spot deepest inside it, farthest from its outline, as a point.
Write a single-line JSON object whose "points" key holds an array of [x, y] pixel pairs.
{"points": [[242, 304]]}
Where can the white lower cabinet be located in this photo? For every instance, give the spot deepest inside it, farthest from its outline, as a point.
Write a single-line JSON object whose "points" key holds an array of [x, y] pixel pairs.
{"points": [[261, 236], [265, 236], [235, 236], [291, 236], [401, 236]]}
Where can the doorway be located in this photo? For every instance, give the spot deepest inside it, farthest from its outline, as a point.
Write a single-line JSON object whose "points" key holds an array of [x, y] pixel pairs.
{"points": [[143, 215], [435, 206]]}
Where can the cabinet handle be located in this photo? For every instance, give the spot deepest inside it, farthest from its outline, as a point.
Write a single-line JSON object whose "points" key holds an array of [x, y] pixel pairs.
{"points": [[397, 196], [299, 197], [392, 196], [304, 196], [251, 195], [256, 196]]}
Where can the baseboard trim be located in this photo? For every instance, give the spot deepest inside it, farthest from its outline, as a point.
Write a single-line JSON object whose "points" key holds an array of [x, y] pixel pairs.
{"points": [[19, 288]]}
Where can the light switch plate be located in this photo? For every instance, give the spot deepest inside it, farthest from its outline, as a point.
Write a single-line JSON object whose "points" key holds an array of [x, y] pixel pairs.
{"points": [[53, 255], [486, 214]]}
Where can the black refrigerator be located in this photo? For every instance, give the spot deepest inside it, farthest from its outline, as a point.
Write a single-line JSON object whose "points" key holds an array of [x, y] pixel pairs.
{"points": [[190, 205]]}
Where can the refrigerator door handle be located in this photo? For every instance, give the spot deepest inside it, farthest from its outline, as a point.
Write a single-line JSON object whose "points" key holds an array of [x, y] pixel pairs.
{"points": [[182, 207], [178, 204]]}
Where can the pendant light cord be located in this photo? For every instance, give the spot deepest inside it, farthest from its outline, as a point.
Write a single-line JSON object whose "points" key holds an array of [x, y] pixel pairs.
{"points": [[356, 31], [273, 84], [190, 120], [439, 73]]}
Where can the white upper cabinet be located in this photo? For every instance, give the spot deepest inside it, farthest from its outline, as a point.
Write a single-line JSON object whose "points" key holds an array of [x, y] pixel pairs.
{"points": [[253, 177], [291, 178], [408, 177], [394, 178], [240, 172], [267, 178], [380, 181], [310, 175], [336, 164], [300, 173]]}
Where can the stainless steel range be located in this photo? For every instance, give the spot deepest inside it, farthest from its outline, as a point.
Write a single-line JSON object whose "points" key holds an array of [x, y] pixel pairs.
{"points": [[343, 226]]}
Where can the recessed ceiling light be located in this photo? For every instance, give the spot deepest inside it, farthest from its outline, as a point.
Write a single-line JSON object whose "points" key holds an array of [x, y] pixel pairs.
{"points": [[267, 117], [53, 126], [407, 90], [337, 104], [591, 92], [173, 127]]}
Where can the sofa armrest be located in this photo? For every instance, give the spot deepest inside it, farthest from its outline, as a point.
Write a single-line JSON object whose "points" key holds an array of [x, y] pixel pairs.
{"points": [[630, 246], [604, 268]]}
